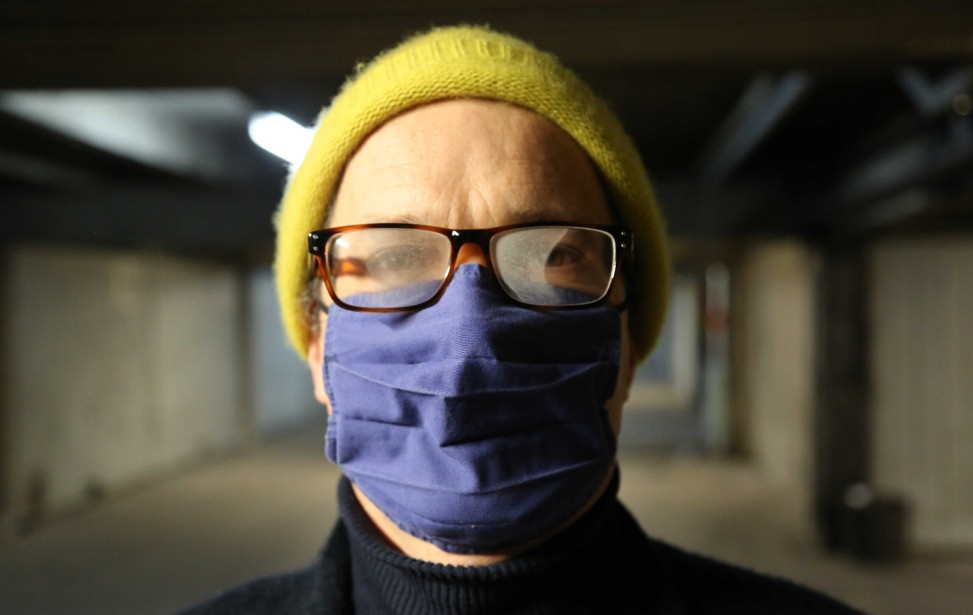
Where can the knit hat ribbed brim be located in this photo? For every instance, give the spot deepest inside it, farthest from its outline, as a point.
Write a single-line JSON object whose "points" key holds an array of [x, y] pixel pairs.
{"points": [[470, 62]]}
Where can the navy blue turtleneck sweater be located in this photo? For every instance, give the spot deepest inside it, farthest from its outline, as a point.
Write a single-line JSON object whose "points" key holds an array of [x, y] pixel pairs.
{"points": [[602, 564]]}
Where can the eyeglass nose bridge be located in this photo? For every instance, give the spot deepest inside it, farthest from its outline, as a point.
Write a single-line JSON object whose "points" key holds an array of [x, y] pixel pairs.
{"points": [[458, 238], [478, 237]]}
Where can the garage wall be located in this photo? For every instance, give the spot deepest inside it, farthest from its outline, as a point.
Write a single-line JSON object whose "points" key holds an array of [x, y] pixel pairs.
{"points": [[283, 396], [922, 361], [115, 367]]}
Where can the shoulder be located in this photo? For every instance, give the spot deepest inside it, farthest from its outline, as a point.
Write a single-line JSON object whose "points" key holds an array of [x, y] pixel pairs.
{"points": [[287, 593], [706, 585], [319, 588], [702, 586]]}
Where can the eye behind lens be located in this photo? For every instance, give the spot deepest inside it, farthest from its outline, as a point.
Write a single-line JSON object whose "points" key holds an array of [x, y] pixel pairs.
{"points": [[554, 265], [399, 267]]}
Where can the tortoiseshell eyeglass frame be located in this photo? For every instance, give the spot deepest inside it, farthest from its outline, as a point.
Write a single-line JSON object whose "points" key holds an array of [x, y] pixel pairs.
{"points": [[317, 242]]}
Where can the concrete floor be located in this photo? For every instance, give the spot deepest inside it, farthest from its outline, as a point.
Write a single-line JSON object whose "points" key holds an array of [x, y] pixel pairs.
{"points": [[169, 544]]}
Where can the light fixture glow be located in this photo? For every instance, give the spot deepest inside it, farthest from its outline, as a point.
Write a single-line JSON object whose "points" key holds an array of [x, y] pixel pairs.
{"points": [[280, 135]]}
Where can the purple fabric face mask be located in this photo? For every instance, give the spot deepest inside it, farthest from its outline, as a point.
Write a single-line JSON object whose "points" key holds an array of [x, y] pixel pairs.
{"points": [[474, 424]]}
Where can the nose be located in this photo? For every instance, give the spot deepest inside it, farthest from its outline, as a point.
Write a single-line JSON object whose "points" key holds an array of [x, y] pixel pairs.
{"points": [[471, 254]]}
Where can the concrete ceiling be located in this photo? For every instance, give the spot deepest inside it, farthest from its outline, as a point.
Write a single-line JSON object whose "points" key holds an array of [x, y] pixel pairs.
{"points": [[124, 123]]}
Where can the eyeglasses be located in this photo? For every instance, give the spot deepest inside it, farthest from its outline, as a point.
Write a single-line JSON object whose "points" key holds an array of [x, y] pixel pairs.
{"points": [[393, 267]]}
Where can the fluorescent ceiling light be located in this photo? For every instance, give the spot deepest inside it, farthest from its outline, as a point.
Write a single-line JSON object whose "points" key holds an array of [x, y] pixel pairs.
{"points": [[280, 135], [179, 130]]}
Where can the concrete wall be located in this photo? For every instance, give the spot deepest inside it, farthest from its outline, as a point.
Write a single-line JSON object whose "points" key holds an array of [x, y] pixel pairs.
{"points": [[774, 337], [282, 391], [117, 367], [922, 376]]}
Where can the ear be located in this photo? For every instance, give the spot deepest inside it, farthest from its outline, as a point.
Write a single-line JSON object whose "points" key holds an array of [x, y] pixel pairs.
{"points": [[315, 362]]}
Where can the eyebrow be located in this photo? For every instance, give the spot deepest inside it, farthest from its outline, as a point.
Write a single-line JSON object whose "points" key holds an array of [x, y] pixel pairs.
{"points": [[393, 219], [556, 212], [537, 216], [403, 219]]}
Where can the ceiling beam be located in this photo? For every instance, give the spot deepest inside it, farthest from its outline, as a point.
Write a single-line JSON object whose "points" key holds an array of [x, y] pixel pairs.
{"points": [[194, 221], [884, 213], [934, 98], [889, 187], [61, 43], [179, 133], [46, 173], [762, 106], [919, 160]]}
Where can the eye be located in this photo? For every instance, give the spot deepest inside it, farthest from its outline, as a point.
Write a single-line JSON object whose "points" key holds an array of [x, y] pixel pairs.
{"points": [[563, 255]]}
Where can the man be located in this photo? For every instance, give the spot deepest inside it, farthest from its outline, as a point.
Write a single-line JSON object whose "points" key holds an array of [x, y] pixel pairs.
{"points": [[487, 265]]}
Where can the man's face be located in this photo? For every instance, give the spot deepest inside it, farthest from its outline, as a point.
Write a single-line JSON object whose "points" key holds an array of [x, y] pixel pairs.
{"points": [[473, 164]]}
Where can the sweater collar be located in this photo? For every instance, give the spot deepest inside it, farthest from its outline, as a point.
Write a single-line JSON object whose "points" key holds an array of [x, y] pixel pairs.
{"points": [[564, 573]]}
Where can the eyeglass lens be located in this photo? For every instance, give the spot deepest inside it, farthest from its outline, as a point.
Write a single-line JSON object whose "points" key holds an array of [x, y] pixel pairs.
{"points": [[402, 267]]}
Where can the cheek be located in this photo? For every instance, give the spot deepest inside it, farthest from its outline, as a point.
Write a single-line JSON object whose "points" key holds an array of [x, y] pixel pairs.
{"points": [[315, 363], [626, 373]]}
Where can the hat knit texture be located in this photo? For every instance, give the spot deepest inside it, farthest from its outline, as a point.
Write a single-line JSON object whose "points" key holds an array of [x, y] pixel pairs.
{"points": [[470, 62]]}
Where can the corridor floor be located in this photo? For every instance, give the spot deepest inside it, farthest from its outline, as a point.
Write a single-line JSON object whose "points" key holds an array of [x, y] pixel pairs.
{"points": [[168, 544]]}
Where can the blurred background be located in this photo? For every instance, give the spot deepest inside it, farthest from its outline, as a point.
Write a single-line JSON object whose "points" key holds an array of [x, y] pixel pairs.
{"points": [[808, 412]]}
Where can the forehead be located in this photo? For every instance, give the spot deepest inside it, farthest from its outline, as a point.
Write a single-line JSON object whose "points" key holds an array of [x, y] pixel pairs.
{"points": [[469, 164]]}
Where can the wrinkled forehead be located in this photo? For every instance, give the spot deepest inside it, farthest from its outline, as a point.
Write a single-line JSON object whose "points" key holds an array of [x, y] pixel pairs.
{"points": [[469, 163]]}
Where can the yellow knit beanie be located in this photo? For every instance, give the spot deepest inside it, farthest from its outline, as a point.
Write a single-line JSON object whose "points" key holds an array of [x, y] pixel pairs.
{"points": [[470, 62]]}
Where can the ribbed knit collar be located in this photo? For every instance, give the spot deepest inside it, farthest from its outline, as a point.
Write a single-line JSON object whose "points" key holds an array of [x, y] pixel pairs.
{"points": [[571, 573]]}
